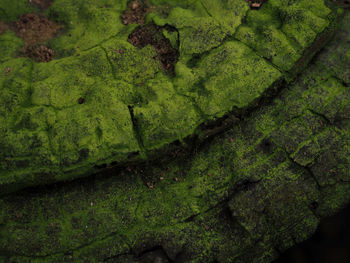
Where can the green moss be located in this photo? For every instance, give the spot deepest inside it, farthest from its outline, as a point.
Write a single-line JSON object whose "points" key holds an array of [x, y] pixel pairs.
{"points": [[173, 37], [130, 64], [11, 10], [103, 99], [260, 186], [238, 69], [167, 117], [87, 23], [9, 45], [281, 32]]}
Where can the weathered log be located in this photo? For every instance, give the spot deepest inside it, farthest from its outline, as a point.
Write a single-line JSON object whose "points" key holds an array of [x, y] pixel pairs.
{"points": [[245, 194]]}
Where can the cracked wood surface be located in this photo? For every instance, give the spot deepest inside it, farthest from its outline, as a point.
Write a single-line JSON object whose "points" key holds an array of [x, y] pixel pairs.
{"points": [[104, 102], [244, 195]]}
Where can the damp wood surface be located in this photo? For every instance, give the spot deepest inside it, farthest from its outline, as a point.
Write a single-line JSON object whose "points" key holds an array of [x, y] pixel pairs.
{"points": [[227, 155], [149, 73]]}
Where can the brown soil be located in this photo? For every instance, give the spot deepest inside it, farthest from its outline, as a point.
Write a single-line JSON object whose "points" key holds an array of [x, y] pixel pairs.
{"points": [[43, 4], [136, 13], [40, 53], [34, 29], [3, 27], [151, 34]]}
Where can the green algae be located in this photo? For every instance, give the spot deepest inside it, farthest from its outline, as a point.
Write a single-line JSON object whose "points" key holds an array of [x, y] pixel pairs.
{"points": [[241, 197], [130, 105]]}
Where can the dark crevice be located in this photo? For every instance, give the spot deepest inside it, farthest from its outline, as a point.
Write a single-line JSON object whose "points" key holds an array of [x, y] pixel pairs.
{"points": [[194, 61], [135, 128], [246, 185], [322, 116], [115, 257], [314, 205], [345, 84], [154, 254], [305, 168], [265, 59], [341, 81], [191, 218], [330, 243], [109, 62], [210, 129], [233, 221], [279, 252], [221, 204], [133, 155], [266, 146], [312, 175]]}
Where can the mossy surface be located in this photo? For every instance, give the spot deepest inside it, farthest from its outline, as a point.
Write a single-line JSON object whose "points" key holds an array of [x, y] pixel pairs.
{"points": [[243, 196], [102, 100]]}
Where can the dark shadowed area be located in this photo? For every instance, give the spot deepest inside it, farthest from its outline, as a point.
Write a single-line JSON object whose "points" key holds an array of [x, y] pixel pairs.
{"points": [[330, 243]]}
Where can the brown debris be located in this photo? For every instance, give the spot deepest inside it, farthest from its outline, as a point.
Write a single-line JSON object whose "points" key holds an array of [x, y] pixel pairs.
{"points": [[3, 27], [7, 71], [151, 34], [256, 4], [34, 29], [149, 185], [43, 4], [136, 13], [40, 53]]}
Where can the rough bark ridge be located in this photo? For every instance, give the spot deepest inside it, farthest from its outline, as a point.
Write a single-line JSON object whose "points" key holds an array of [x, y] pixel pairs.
{"points": [[243, 195]]}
